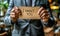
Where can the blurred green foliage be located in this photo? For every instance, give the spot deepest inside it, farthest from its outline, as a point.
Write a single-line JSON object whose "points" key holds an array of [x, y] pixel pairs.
{"points": [[56, 10], [4, 4]]}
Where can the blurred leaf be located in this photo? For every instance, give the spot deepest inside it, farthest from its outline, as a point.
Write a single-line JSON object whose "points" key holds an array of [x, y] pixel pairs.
{"points": [[4, 5], [56, 10]]}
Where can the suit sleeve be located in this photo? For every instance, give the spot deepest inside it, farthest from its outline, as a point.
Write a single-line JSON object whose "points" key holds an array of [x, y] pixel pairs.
{"points": [[7, 19]]}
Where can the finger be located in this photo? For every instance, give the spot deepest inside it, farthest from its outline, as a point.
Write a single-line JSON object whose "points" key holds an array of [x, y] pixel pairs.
{"points": [[16, 11], [39, 11], [12, 10], [45, 15], [12, 14], [43, 11], [16, 8]]}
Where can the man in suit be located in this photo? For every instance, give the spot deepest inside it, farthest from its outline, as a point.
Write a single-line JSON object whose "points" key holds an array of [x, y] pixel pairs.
{"points": [[27, 27]]}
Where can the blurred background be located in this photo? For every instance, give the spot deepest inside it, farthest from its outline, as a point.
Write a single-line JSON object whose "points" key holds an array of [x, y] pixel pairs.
{"points": [[54, 6]]}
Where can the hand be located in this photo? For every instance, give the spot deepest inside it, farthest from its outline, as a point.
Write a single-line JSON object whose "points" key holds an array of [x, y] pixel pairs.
{"points": [[44, 14], [15, 12]]}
